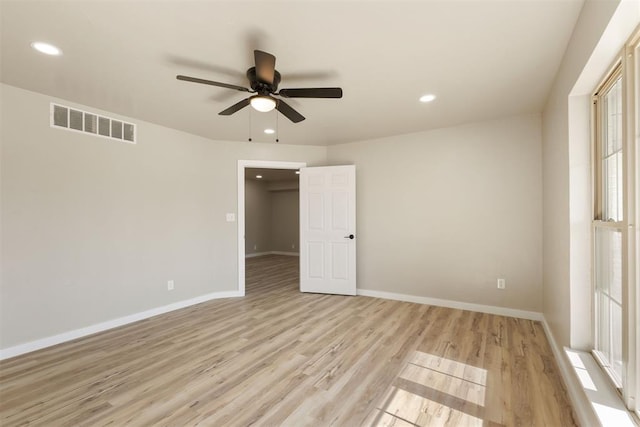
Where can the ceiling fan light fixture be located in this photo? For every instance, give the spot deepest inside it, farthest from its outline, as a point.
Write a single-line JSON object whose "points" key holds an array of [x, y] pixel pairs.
{"points": [[263, 104]]}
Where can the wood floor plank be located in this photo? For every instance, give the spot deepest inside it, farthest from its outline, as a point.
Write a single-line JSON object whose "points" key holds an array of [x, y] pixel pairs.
{"points": [[280, 357]]}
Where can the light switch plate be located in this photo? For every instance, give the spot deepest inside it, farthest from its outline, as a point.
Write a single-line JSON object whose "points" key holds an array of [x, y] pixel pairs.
{"points": [[231, 217]]}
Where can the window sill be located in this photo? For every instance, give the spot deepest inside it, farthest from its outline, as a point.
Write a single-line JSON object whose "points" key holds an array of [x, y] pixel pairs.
{"points": [[604, 399]]}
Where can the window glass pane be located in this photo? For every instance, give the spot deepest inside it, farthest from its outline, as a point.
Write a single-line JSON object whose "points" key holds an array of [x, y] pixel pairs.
{"points": [[609, 262], [611, 152], [612, 173], [608, 278], [619, 189], [604, 336], [616, 341]]}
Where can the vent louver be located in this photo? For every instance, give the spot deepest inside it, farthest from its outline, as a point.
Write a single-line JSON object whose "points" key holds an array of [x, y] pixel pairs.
{"points": [[86, 122]]}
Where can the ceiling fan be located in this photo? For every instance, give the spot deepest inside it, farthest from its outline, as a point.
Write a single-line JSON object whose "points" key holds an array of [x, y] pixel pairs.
{"points": [[264, 80]]}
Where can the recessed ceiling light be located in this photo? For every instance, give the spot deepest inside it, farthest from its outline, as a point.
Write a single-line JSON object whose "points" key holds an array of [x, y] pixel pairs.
{"points": [[427, 98], [46, 48], [259, 176], [269, 131]]}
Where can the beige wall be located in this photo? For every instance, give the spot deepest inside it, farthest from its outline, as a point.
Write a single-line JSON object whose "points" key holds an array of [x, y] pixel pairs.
{"points": [[285, 223], [271, 217], [257, 217], [445, 213], [92, 229]]}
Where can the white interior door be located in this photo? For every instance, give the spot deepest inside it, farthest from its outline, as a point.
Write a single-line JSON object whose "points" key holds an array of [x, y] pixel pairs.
{"points": [[327, 230]]}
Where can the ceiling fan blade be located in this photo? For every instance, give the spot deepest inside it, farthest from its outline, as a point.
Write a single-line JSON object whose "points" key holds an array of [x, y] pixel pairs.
{"points": [[288, 111], [265, 66], [212, 83], [319, 92], [235, 107]]}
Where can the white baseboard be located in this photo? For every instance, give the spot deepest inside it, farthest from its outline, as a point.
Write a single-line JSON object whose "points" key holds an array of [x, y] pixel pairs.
{"points": [[501, 311], [271, 253], [571, 382], [255, 254], [593, 396], [17, 350], [285, 253]]}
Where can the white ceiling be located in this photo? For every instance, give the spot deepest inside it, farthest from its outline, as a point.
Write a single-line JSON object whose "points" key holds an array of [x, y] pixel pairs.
{"points": [[483, 59]]}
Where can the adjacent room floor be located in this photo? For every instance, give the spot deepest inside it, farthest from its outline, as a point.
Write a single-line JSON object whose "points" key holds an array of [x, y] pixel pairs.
{"points": [[280, 357]]}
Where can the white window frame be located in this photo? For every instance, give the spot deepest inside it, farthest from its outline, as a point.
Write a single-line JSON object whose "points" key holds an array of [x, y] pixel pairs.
{"points": [[602, 220], [631, 90], [628, 67]]}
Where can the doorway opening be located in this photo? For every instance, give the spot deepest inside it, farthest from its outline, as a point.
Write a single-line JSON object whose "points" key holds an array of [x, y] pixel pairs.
{"points": [[274, 175]]}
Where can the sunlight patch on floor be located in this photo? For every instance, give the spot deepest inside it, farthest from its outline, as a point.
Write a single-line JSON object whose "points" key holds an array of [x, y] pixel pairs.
{"points": [[409, 409], [451, 367], [447, 376], [434, 391]]}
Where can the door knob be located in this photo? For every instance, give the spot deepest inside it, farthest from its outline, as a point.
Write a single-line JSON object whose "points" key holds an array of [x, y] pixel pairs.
{"points": [[350, 236]]}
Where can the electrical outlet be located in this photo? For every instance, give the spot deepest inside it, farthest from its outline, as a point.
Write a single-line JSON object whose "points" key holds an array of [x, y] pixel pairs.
{"points": [[293, 246], [170, 285], [255, 247], [501, 284]]}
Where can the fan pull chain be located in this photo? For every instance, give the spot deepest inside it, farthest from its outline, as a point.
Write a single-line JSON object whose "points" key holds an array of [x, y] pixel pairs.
{"points": [[277, 127], [250, 127]]}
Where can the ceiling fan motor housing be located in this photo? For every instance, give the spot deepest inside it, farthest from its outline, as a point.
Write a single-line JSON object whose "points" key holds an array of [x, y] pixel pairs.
{"points": [[260, 87]]}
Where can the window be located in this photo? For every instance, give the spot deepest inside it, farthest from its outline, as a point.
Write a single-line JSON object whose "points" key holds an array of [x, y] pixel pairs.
{"points": [[616, 300], [608, 224]]}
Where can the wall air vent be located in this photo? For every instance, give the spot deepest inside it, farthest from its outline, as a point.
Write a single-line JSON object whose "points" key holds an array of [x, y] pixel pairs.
{"points": [[96, 124]]}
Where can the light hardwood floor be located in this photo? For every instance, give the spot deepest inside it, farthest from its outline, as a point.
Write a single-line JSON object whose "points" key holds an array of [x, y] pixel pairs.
{"points": [[279, 357]]}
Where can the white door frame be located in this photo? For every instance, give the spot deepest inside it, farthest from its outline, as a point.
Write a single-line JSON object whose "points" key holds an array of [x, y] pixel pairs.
{"points": [[242, 165]]}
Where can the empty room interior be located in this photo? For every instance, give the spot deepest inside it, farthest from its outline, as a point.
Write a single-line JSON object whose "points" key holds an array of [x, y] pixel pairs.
{"points": [[320, 213]]}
